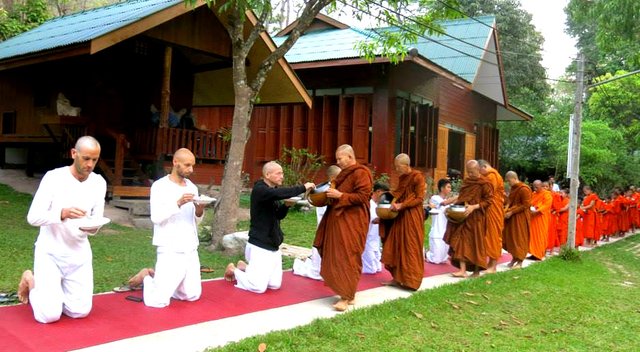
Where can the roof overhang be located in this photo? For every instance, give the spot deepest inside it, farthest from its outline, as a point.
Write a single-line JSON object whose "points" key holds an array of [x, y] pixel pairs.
{"points": [[512, 113]]}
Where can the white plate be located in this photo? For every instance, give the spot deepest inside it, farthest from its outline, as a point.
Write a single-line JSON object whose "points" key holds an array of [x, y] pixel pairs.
{"points": [[203, 200], [533, 208], [90, 224], [434, 211]]}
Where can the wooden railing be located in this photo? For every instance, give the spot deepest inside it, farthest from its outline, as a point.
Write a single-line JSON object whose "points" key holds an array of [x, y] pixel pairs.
{"points": [[154, 142]]}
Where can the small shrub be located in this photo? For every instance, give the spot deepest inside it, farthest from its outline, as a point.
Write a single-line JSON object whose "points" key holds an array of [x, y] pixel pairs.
{"points": [[570, 254], [379, 177], [299, 165]]}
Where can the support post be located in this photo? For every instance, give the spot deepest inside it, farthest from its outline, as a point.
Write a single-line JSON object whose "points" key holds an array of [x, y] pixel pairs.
{"points": [[574, 147], [166, 88]]}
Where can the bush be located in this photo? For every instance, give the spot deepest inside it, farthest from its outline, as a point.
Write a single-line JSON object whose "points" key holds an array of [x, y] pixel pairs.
{"points": [[299, 165], [570, 254]]}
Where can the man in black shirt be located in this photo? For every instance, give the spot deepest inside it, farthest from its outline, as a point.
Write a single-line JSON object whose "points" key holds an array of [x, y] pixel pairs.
{"points": [[264, 268]]}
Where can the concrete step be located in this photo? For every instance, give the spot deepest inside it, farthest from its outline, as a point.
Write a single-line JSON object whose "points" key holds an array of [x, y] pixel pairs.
{"points": [[136, 207]]}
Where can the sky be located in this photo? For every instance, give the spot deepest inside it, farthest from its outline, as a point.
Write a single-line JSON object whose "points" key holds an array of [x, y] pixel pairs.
{"points": [[549, 19]]}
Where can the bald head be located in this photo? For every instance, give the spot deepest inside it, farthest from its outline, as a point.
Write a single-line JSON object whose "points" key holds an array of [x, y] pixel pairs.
{"points": [[537, 185], [511, 177], [402, 163], [333, 171], [484, 166], [87, 142], [473, 169], [345, 156], [183, 163], [270, 167]]}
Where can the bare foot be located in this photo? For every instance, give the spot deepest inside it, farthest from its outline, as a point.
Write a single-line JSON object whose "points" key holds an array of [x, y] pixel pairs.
{"points": [[511, 263], [475, 274], [228, 273], [460, 274], [341, 305], [241, 265], [390, 283], [25, 285], [518, 265], [138, 278], [352, 302], [491, 270]]}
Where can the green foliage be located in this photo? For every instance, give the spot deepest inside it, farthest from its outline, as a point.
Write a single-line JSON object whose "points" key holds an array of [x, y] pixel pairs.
{"points": [[608, 33], [380, 177], [299, 165], [24, 16], [570, 254]]}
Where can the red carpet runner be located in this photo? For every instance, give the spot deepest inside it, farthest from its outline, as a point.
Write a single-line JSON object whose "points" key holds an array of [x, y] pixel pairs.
{"points": [[114, 318]]}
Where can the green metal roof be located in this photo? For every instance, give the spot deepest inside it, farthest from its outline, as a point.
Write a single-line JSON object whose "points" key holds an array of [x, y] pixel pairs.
{"points": [[81, 27], [461, 57]]}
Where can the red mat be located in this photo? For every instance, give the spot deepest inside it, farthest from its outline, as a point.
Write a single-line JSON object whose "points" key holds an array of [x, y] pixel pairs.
{"points": [[114, 318]]}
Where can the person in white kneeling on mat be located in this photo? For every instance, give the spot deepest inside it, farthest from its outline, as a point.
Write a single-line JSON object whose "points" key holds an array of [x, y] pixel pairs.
{"points": [[264, 267], [62, 277], [175, 219]]}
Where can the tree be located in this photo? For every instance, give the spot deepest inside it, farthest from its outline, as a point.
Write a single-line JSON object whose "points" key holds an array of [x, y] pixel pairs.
{"points": [[608, 33], [21, 17], [247, 88]]}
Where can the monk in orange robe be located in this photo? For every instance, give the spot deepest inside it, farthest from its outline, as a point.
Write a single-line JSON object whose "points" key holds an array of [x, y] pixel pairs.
{"points": [[552, 235], [608, 219], [516, 220], [562, 226], [623, 215], [342, 233], [579, 228], [616, 209], [494, 215], [403, 238], [466, 239], [635, 213], [589, 218], [600, 222], [541, 201]]}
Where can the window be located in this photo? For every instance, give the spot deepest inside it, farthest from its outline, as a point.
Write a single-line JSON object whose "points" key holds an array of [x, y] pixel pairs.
{"points": [[8, 122], [417, 130]]}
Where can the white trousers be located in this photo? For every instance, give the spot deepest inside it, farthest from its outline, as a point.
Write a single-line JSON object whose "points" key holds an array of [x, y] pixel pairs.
{"points": [[264, 270], [438, 251], [61, 285], [309, 267], [371, 256], [177, 275]]}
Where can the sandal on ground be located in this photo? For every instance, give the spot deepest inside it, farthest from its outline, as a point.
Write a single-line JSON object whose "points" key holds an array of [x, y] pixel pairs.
{"points": [[205, 269], [127, 288], [7, 298]]}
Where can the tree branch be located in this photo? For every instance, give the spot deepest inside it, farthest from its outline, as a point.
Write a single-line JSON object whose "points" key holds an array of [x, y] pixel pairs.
{"points": [[311, 9], [258, 27]]}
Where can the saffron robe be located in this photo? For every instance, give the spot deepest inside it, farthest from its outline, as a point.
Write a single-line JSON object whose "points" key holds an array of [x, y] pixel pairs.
{"points": [[342, 232], [515, 237], [579, 228], [552, 233], [403, 239], [562, 226], [466, 240], [539, 227], [495, 216], [589, 218]]}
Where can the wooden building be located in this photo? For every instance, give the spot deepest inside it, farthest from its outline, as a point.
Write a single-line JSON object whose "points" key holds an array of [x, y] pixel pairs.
{"points": [[115, 62], [440, 105]]}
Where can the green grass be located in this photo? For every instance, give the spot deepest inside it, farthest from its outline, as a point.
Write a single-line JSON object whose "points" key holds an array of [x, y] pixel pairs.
{"points": [[556, 305], [118, 251]]}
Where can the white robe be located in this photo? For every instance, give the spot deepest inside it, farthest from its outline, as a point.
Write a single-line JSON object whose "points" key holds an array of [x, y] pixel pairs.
{"points": [[264, 270], [371, 256], [175, 234], [63, 271], [310, 267], [438, 249]]}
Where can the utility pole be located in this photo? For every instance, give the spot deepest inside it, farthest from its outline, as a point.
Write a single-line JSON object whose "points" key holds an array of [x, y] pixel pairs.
{"points": [[574, 147]]}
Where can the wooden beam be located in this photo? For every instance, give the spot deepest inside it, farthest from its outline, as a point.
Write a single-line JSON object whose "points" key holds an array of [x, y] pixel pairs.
{"points": [[141, 26], [165, 104], [50, 55]]}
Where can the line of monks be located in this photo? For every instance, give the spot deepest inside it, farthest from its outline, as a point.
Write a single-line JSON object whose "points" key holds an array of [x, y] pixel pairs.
{"points": [[525, 221]]}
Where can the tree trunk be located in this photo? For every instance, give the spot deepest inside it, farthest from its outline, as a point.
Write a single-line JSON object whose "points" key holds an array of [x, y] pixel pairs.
{"points": [[226, 214]]}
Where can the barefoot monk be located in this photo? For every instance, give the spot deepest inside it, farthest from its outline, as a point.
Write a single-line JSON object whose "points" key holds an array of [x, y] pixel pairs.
{"points": [[517, 218]]}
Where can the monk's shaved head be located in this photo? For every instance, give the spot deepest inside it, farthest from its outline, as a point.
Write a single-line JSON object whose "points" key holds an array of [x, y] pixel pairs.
{"points": [[483, 163], [87, 142], [403, 159], [472, 167], [537, 184], [333, 171], [511, 175], [270, 167], [345, 156]]}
